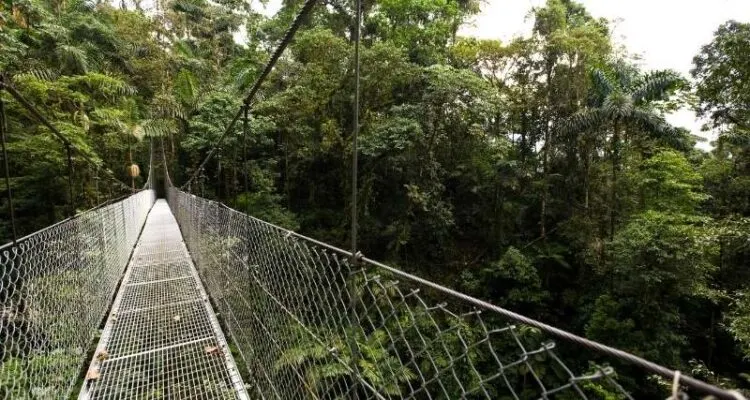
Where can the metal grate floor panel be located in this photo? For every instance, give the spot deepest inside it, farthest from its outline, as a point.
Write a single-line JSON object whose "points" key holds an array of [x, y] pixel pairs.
{"points": [[162, 340], [150, 273], [160, 246], [169, 325], [157, 258], [145, 295], [185, 372]]}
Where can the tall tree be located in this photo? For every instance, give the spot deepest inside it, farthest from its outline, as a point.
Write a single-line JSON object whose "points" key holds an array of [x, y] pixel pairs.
{"points": [[621, 107]]}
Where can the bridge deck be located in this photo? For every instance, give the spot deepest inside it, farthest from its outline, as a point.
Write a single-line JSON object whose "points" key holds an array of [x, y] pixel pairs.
{"points": [[162, 339]]}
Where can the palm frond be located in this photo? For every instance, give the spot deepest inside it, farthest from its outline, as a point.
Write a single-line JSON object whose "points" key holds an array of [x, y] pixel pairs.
{"points": [[658, 128], [166, 106], [52, 32], [107, 85], [625, 73], [603, 85], [618, 105], [41, 73], [649, 121], [655, 86], [306, 351], [584, 120], [111, 117]]}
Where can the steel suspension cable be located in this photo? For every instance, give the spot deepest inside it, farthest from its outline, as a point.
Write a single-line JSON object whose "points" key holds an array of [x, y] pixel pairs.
{"points": [[66, 142], [245, 122], [354, 260], [288, 36], [355, 133], [72, 205], [567, 336], [6, 169]]}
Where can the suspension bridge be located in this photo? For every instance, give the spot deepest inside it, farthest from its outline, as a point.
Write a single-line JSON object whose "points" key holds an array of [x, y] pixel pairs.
{"points": [[185, 298], [200, 301]]}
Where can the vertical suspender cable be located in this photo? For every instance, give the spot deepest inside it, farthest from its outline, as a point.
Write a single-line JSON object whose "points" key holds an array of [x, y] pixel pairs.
{"points": [[355, 133], [96, 184], [70, 180], [65, 141], [245, 111], [354, 228], [307, 7], [11, 211]]}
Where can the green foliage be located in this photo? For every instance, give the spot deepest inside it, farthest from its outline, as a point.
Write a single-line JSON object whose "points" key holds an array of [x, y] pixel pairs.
{"points": [[669, 183], [655, 262], [538, 174], [513, 280], [739, 321], [19, 377], [382, 370], [720, 68]]}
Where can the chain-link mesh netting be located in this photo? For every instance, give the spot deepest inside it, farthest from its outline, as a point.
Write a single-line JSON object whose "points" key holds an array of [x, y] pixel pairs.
{"points": [[56, 287], [307, 325], [162, 340]]}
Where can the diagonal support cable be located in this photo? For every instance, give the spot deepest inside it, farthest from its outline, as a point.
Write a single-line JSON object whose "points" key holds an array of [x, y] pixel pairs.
{"points": [[59, 135], [306, 9]]}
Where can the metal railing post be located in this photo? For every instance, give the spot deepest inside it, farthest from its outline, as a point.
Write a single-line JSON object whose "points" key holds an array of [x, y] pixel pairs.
{"points": [[245, 123], [3, 128], [71, 200]]}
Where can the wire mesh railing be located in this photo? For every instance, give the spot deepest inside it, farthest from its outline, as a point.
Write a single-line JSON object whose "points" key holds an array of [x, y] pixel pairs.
{"points": [[309, 325], [56, 286]]}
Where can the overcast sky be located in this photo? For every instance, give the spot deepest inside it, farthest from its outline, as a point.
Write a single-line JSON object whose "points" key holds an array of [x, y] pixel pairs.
{"points": [[665, 33]]}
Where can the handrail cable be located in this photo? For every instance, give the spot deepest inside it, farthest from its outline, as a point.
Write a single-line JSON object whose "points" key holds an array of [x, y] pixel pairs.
{"points": [[483, 305], [288, 36], [357, 257]]}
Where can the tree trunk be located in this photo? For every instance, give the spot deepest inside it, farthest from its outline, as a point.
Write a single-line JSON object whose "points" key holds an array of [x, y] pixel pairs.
{"points": [[586, 178], [615, 170], [545, 152], [543, 211]]}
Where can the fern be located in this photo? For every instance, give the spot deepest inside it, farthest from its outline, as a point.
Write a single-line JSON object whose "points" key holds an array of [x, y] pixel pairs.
{"points": [[158, 127], [166, 106], [73, 58], [186, 87], [102, 84], [42, 74], [109, 116]]}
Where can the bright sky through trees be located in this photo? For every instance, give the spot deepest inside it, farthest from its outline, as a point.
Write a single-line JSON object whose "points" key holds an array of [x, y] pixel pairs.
{"points": [[662, 43], [640, 25]]}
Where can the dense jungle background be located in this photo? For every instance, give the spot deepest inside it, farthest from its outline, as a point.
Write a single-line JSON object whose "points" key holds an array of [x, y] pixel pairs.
{"points": [[539, 174]]}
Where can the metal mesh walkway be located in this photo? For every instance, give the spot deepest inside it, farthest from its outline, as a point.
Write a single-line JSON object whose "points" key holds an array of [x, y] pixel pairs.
{"points": [[162, 339]]}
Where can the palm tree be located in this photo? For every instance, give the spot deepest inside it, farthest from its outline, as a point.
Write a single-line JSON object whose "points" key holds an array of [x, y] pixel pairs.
{"points": [[621, 107]]}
